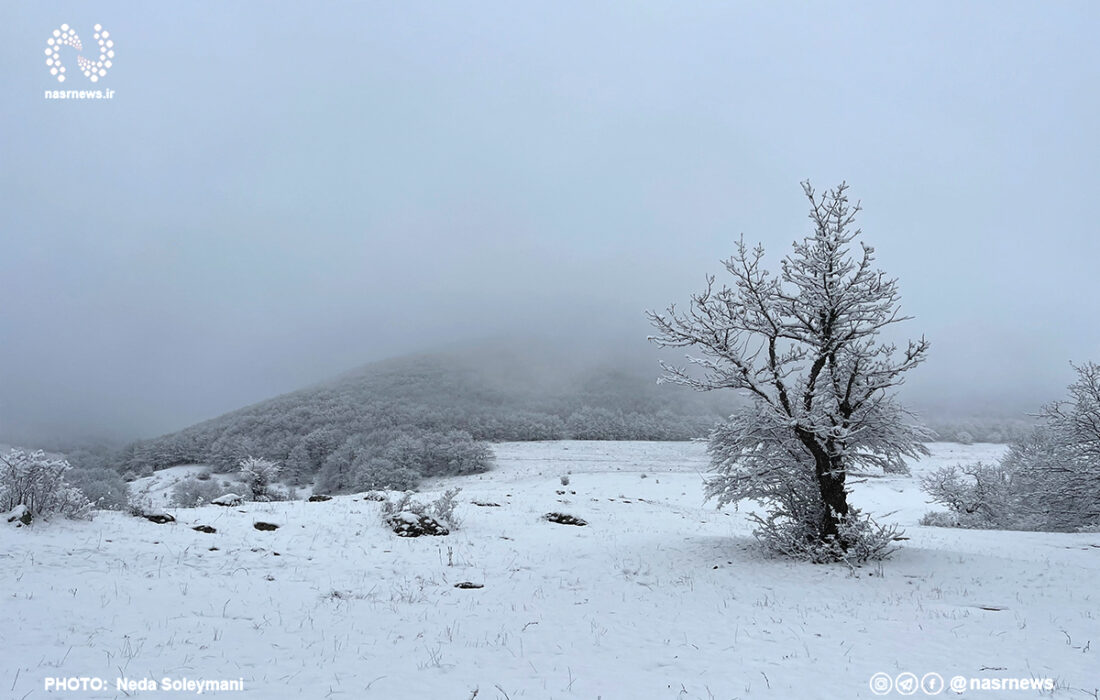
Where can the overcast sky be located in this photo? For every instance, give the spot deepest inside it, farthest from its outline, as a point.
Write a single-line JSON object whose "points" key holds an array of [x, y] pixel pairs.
{"points": [[282, 191]]}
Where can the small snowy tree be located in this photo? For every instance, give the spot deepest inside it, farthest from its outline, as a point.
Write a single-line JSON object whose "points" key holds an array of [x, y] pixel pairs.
{"points": [[979, 495], [37, 482], [804, 346], [1049, 480], [1057, 470], [259, 476]]}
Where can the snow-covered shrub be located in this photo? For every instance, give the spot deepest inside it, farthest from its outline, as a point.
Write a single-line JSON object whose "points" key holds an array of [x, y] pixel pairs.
{"points": [[940, 518], [102, 486], [396, 459], [452, 453], [979, 495], [259, 476], [1057, 470], [441, 509], [137, 472], [369, 473], [138, 504], [193, 492], [859, 539], [38, 482], [1049, 480]]}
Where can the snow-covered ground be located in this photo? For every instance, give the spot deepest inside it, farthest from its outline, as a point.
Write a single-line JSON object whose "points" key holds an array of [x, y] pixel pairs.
{"points": [[660, 596]]}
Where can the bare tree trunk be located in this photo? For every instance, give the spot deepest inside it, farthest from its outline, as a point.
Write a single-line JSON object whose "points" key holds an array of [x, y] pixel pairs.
{"points": [[829, 471], [830, 480]]}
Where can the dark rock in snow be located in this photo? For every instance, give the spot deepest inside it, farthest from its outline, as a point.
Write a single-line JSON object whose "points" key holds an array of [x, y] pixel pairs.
{"points": [[407, 524], [260, 525], [158, 518], [21, 515], [229, 499], [319, 498], [564, 519], [469, 584], [204, 528], [486, 504], [373, 496]]}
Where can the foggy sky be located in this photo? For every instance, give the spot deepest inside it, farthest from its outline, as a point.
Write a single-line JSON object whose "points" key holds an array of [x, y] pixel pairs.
{"points": [[281, 191]]}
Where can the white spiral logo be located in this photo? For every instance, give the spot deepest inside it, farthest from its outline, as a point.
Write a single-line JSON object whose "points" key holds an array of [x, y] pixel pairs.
{"points": [[67, 36]]}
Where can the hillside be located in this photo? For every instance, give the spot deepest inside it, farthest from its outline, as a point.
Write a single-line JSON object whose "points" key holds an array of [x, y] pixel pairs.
{"points": [[388, 423]]}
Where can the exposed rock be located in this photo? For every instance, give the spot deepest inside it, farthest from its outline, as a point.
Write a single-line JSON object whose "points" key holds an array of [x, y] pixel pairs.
{"points": [[229, 499], [261, 525], [204, 528], [373, 496], [564, 519], [20, 515], [158, 518], [469, 584], [319, 498], [408, 524], [486, 504]]}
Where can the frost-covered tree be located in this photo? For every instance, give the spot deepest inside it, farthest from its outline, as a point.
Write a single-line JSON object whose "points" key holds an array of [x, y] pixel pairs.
{"points": [[38, 483], [259, 476], [804, 345], [1049, 480], [1075, 421]]}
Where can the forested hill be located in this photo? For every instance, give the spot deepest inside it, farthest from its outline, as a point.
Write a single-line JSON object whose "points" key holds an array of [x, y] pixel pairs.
{"points": [[425, 414]]}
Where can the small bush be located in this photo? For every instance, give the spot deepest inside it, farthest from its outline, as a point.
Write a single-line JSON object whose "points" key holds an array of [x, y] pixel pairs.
{"points": [[378, 473], [866, 539], [259, 476], [192, 493], [139, 504], [139, 472], [103, 487], [38, 482], [940, 518], [979, 495], [441, 509]]}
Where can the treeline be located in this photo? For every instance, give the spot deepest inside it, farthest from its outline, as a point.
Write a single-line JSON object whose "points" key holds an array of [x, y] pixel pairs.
{"points": [[393, 423], [970, 430]]}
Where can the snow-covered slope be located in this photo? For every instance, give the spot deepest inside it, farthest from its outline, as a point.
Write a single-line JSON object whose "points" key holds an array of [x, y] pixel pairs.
{"points": [[660, 596], [156, 490]]}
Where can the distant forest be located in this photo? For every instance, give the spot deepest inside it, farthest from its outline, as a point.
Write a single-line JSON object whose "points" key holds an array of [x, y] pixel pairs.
{"points": [[391, 423]]}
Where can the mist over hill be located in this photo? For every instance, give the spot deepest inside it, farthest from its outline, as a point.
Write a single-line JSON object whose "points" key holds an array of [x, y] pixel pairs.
{"points": [[388, 423]]}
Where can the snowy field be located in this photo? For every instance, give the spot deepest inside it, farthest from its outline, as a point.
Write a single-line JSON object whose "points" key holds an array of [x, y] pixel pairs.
{"points": [[660, 596]]}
